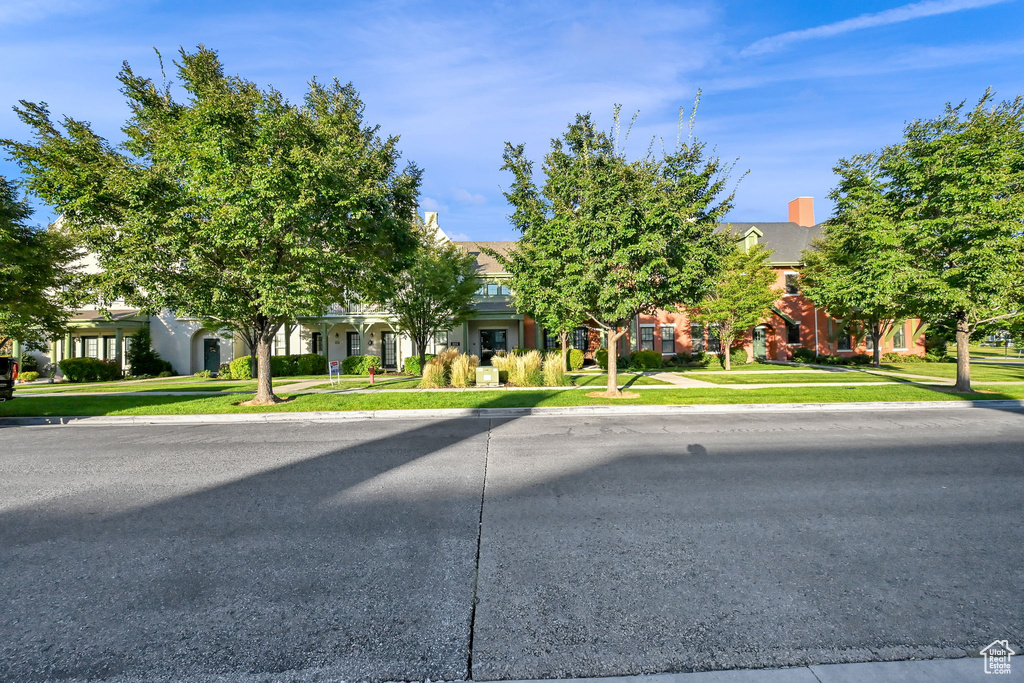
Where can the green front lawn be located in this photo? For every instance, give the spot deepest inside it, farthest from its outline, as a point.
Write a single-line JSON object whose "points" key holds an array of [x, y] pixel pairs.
{"points": [[191, 384], [800, 377], [979, 372], [185, 405]]}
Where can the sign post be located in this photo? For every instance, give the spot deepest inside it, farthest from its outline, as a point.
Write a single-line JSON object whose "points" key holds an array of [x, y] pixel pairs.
{"points": [[334, 368]]}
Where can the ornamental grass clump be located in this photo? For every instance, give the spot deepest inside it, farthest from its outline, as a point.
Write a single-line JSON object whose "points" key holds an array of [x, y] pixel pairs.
{"points": [[554, 370], [525, 370], [463, 373], [433, 376], [501, 360]]}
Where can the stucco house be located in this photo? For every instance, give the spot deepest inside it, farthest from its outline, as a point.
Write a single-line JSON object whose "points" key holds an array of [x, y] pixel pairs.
{"points": [[360, 329]]}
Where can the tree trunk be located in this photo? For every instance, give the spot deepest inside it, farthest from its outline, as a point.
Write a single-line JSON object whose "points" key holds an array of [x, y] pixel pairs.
{"points": [[254, 371], [612, 390], [563, 338], [876, 338], [963, 358], [265, 381]]}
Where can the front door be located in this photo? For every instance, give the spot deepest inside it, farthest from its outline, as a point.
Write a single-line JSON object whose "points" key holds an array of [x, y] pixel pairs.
{"points": [[211, 355], [760, 350], [389, 350], [491, 341]]}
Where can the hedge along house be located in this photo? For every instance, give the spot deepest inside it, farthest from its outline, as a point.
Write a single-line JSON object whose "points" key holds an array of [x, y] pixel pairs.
{"points": [[794, 323]]}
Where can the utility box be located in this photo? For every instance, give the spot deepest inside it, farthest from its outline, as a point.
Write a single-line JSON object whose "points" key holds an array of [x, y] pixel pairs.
{"points": [[487, 376]]}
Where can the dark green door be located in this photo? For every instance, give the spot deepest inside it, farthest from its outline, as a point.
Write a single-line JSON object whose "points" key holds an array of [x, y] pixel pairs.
{"points": [[211, 355], [760, 347]]}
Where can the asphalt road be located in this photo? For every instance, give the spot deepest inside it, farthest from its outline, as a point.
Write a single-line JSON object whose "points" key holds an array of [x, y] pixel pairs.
{"points": [[607, 546]]}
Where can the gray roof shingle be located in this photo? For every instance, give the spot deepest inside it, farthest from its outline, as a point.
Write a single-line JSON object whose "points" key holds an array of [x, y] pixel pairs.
{"points": [[786, 240]]}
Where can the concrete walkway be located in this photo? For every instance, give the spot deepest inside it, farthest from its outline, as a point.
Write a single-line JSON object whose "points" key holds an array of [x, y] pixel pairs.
{"points": [[963, 670]]}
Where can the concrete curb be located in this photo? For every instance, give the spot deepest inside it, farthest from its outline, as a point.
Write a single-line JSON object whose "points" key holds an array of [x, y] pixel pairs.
{"points": [[497, 413]]}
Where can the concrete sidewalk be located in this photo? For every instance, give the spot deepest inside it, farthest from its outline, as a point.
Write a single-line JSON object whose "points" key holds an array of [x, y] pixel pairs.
{"points": [[961, 670], [501, 413]]}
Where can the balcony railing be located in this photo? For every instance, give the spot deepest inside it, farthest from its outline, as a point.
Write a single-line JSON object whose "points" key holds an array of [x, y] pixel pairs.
{"points": [[355, 309]]}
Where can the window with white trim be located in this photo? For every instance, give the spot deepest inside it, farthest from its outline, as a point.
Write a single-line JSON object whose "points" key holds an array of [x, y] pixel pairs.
{"points": [[899, 339], [792, 283], [792, 333], [647, 338], [696, 338], [668, 338], [714, 342], [581, 338]]}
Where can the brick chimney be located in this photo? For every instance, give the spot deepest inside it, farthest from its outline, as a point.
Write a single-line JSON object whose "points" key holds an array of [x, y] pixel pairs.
{"points": [[801, 211]]}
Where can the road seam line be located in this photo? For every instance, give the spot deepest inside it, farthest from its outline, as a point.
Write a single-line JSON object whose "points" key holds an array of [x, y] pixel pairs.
{"points": [[476, 569]]}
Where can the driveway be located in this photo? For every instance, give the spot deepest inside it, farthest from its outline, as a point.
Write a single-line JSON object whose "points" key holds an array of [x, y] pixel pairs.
{"points": [[537, 547]]}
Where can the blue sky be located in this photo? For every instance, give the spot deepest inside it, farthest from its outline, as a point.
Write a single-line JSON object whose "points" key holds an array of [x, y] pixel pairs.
{"points": [[789, 87]]}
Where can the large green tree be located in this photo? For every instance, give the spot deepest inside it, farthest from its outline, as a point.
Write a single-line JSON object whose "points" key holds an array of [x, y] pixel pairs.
{"points": [[956, 184], [742, 297], [944, 213], [632, 235], [39, 287], [858, 271], [233, 204], [435, 292], [538, 287]]}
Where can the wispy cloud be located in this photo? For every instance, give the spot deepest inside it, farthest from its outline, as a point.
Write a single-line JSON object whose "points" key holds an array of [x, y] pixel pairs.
{"points": [[467, 197], [916, 59], [915, 10]]}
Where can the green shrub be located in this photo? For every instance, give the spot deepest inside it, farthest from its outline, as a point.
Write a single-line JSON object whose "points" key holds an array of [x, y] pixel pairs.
{"points": [[892, 357], [912, 358], [948, 359], [241, 368], [412, 363], [803, 355], [575, 359], [225, 371], [166, 373], [141, 357], [29, 376], [28, 363], [310, 364], [601, 356], [860, 359], [203, 373], [283, 366], [739, 356], [360, 365], [89, 370], [645, 360]]}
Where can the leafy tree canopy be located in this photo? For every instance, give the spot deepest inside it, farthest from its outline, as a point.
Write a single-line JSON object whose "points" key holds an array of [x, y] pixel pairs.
{"points": [[232, 205], [742, 296], [39, 287], [942, 217], [628, 236], [435, 292], [859, 271]]}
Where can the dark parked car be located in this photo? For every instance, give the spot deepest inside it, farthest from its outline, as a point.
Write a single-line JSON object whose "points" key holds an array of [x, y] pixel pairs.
{"points": [[8, 375]]}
